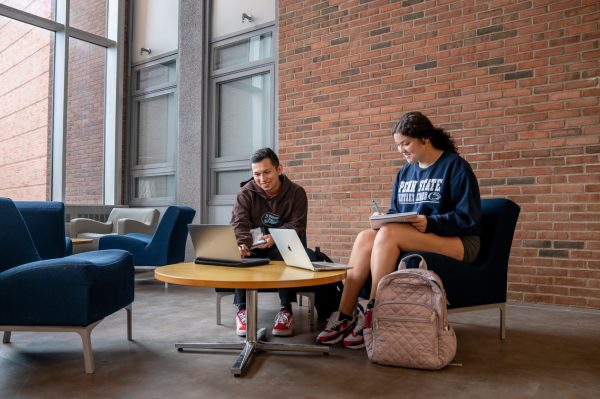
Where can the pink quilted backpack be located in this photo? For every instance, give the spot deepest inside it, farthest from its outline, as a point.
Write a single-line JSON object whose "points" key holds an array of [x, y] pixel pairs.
{"points": [[410, 320]]}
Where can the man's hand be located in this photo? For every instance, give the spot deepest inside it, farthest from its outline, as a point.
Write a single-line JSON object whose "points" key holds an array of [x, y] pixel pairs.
{"points": [[419, 222], [244, 251], [269, 242]]}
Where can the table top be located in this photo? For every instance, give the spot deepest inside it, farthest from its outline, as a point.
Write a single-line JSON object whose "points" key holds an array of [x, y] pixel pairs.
{"points": [[77, 241], [274, 275]]}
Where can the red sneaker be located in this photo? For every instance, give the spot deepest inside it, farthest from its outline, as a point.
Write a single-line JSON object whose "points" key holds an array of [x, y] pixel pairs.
{"points": [[284, 324], [240, 323], [335, 329], [355, 339]]}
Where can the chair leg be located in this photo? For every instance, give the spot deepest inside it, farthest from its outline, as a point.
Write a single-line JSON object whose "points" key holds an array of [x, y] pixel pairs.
{"points": [[6, 338], [311, 310], [86, 339], [129, 310], [502, 308], [311, 306], [220, 296]]}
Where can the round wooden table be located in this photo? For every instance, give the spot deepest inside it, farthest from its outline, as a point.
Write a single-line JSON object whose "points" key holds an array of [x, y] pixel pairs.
{"points": [[79, 241], [274, 275]]}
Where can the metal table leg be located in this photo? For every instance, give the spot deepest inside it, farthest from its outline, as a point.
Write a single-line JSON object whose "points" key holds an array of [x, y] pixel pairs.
{"points": [[254, 340]]}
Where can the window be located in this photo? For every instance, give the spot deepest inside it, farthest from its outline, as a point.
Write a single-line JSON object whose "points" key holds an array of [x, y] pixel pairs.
{"points": [[84, 166], [242, 118], [154, 133], [25, 109], [59, 100]]}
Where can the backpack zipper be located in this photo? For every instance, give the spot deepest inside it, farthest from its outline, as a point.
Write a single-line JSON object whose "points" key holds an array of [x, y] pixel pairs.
{"points": [[414, 319]]}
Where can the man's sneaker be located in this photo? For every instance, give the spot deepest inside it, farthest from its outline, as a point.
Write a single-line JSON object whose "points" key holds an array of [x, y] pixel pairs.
{"points": [[284, 324], [335, 329], [355, 339], [240, 323]]}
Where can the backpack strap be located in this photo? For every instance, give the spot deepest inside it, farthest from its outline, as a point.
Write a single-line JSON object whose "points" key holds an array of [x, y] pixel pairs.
{"points": [[422, 263]]}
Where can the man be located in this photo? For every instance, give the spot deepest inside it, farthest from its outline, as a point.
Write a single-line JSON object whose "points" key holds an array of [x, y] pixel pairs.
{"points": [[270, 199]]}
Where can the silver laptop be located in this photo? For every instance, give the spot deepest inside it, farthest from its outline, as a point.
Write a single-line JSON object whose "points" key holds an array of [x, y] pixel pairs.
{"points": [[293, 253], [217, 245]]}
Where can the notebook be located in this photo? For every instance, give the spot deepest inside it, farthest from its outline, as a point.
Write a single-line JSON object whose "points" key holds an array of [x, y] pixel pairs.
{"points": [[379, 220], [217, 245], [293, 253]]}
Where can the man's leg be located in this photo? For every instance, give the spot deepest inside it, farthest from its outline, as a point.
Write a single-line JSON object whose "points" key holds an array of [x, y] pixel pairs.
{"points": [[239, 299]]}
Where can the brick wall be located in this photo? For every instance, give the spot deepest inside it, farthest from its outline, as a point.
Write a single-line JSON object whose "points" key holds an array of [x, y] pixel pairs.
{"points": [[85, 107], [24, 106], [515, 82]]}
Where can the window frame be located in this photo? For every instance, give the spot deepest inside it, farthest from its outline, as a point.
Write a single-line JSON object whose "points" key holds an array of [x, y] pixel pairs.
{"points": [[113, 77], [219, 76], [159, 169]]}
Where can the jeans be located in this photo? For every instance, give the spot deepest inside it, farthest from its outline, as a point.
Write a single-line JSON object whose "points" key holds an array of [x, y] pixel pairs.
{"points": [[286, 295]]}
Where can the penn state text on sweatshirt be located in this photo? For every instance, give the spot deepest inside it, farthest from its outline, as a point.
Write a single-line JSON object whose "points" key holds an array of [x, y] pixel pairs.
{"points": [[446, 192]]}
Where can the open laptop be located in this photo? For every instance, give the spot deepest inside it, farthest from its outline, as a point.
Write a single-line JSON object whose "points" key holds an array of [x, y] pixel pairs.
{"points": [[293, 253], [217, 245]]}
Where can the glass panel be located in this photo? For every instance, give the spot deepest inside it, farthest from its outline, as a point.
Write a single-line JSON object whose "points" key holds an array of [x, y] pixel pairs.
{"points": [[155, 75], [88, 15], [84, 174], [154, 187], [156, 130], [244, 121], [25, 110], [41, 8], [228, 182], [245, 51]]}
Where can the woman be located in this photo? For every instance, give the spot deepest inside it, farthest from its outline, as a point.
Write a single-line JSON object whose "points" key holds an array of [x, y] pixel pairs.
{"points": [[437, 184]]}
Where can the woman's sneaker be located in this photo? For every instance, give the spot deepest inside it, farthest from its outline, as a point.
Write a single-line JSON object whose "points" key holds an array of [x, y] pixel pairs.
{"points": [[355, 339], [335, 329]]}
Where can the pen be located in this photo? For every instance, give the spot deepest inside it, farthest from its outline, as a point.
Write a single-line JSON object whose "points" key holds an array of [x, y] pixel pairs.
{"points": [[376, 206]]}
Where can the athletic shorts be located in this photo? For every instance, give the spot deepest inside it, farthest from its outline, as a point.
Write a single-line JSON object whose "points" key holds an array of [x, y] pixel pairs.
{"points": [[471, 245]]}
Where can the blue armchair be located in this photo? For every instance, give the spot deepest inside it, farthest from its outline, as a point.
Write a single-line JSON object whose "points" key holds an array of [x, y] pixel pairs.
{"points": [[166, 246], [46, 224], [71, 294], [481, 285]]}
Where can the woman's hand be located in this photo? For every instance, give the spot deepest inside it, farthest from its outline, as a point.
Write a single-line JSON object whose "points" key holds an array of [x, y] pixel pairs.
{"points": [[419, 222]]}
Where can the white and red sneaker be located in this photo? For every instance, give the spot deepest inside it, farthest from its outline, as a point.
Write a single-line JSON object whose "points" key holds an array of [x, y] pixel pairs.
{"points": [[335, 329], [355, 339], [240, 323], [284, 324]]}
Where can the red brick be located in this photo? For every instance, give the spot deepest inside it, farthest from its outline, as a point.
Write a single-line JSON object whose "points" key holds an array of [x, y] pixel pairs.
{"points": [[544, 127]]}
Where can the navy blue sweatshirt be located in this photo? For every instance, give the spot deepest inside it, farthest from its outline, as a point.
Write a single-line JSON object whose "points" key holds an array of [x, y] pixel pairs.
{"points": [[446, 192]]}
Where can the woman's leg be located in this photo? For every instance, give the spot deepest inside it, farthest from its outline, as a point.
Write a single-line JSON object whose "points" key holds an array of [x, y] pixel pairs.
{"points": [[360, 260], [395, 238]]}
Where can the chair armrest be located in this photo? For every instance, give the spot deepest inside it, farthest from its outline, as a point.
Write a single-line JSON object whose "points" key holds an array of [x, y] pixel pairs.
{"points": [[126, 226], [83, 225], [68, 246], [126, 243]]}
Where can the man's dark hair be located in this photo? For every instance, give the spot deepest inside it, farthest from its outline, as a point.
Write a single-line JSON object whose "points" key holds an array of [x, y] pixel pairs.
{"points": [[265, 153]]}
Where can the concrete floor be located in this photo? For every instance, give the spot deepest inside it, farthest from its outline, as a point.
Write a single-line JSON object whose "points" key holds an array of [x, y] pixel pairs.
{"points": [[550, 352]]}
